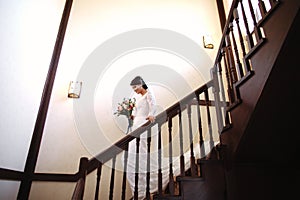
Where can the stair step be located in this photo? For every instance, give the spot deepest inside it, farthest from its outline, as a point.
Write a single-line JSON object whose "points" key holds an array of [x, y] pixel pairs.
{"points": [[190, 187], [189, 178], [213, 173], [209, 161], [167, 197]]}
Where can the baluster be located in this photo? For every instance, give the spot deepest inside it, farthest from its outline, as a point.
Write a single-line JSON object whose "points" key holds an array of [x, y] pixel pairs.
{"points": [[249, 37], [231, 69], [230, 60], [148, 164], [257, 32], [124, 172], [273, 3], [159, 161], [112, 178], [99, 169], [229, 84], [238, 63], [171, 176], [224, 104], [192, 157], [182, 165], [211, 140], [237, 21], [262, 8], [137, 166], [201, 141], [236, 17], [216, 91]]}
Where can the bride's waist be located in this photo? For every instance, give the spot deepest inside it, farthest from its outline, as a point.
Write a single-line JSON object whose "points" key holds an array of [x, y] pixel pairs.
{"points": [[140, 117]]}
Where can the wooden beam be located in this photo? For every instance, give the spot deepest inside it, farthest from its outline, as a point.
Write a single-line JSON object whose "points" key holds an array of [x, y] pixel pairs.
{"points": [[36, 139], [222, 15]]}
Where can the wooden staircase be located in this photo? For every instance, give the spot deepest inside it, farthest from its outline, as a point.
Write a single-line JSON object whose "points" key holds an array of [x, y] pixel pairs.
{"points": [[244, 171], [235, 96], [209, 178]]}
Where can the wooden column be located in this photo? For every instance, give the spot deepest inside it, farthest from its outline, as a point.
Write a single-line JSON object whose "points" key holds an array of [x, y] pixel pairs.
{"points": [[222, 15]]}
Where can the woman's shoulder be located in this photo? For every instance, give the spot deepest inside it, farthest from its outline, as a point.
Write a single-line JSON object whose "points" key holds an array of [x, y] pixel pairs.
{"points": [[150, 95]]}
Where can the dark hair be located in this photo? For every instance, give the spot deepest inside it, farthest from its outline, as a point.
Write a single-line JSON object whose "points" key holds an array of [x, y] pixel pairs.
{"points": [[139, 81]]}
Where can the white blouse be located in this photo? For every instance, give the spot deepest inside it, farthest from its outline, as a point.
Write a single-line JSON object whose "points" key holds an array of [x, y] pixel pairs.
{"points": [[145, 106]]}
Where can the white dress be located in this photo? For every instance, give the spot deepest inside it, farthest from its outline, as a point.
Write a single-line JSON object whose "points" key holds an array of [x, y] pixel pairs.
{"points": [[145, 106]]}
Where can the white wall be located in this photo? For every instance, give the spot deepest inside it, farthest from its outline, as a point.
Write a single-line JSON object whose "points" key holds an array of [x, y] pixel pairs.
{"points": [[86, 126], [28, 33]]}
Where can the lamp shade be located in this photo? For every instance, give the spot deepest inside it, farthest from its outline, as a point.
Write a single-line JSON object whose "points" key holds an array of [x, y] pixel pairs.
{"points": [[207, 42], [74, 89]]}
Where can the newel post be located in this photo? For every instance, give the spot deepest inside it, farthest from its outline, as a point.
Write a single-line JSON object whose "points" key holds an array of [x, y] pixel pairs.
{"points": [[79, 189]]}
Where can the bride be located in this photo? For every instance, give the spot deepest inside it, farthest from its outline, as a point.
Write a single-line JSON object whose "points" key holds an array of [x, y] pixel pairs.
{"points": [[143, 111]]}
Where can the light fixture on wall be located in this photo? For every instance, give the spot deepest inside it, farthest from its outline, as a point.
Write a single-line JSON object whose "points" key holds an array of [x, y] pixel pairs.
{"points": [[74, 89], [207, 42]]}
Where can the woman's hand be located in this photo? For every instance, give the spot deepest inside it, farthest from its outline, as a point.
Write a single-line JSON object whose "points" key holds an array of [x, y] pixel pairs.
{"points": [[151, 118]]}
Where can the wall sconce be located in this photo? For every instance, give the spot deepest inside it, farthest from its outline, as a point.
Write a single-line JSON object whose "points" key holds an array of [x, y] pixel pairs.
{"points": [[74, 89], [207, 42]]}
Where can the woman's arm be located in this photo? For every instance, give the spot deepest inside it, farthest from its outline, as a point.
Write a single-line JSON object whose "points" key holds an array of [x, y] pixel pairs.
{"points": [[152, 106]]}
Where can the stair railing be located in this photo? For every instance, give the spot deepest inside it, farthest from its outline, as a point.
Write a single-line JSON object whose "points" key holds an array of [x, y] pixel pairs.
{"points": [[210, 113], [194, 111], [242, 36]]}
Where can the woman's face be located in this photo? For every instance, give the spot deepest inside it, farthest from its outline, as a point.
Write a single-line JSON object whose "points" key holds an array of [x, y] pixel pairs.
{"points": [[137, 88]]}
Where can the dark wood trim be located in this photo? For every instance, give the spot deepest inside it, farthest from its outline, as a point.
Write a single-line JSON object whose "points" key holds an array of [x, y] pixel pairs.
{"points": [[268, 14], [55, 177], [8, 174], [228, 21], [222, 15], [34, 148]]}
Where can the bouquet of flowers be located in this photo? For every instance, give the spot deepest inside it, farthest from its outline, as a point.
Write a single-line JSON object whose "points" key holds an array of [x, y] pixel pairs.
{"points": [[126, 108]]}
